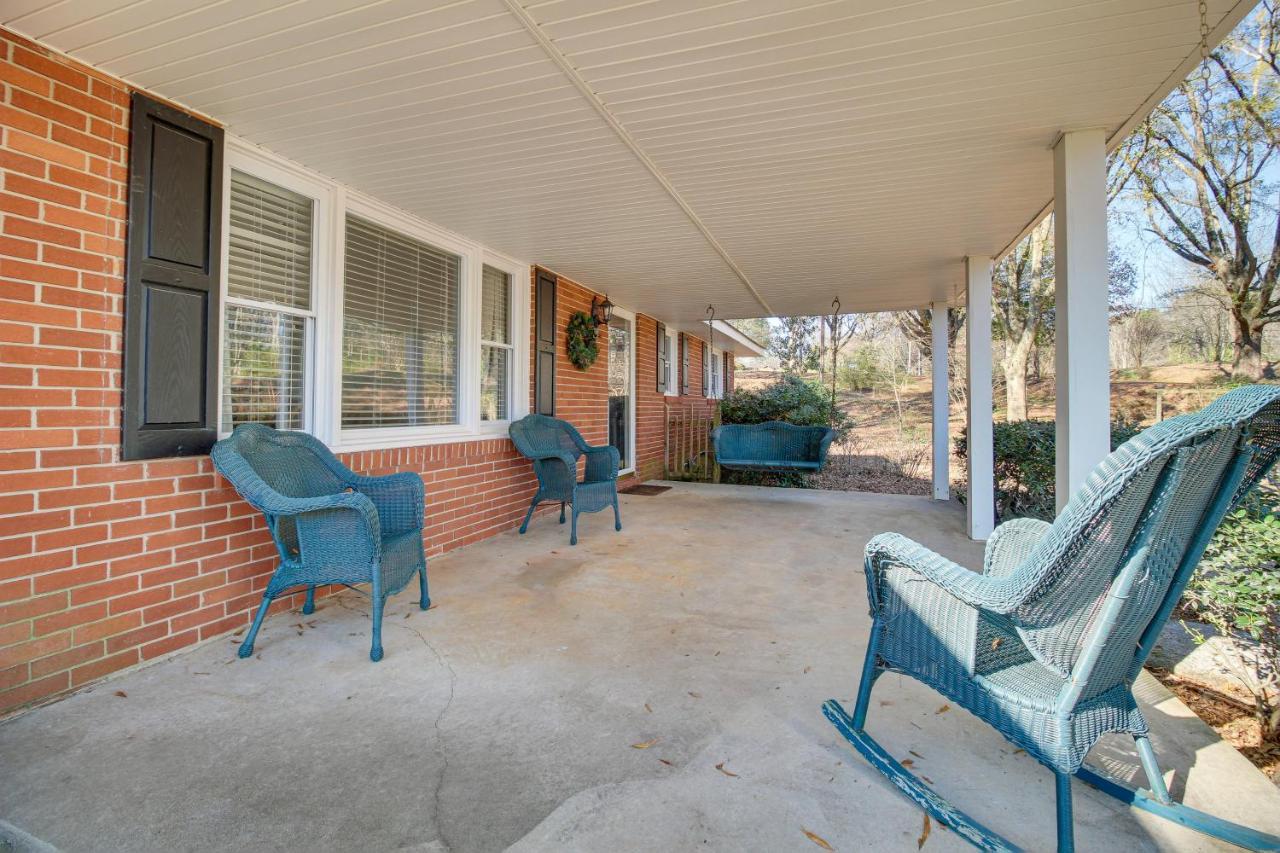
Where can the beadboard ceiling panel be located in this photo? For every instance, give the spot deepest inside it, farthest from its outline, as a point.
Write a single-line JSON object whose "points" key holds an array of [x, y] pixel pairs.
{"points": [[763, 156]]}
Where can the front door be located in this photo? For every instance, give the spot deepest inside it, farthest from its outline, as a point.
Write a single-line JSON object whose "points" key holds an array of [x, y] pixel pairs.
{"points": [[621, 381]]}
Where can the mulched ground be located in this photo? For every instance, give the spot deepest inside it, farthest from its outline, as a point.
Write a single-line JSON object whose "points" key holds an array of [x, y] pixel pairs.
{"points": [[1233, 720]]}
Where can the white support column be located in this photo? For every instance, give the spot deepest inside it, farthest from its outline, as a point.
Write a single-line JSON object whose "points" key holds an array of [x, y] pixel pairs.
{"points": [[1082, 355], [941, 404], [981, 455]]}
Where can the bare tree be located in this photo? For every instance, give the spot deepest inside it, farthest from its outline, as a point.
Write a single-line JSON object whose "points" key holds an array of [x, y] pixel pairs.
{"points": [[1137, 336], [1200, 167], [917, 325], [1022, 298]]}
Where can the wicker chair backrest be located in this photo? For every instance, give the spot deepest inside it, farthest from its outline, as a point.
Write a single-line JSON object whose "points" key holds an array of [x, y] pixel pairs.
{"points": [[1138, 511], [537, 435]]}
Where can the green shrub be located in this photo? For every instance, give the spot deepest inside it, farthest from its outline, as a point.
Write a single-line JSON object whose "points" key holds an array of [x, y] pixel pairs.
{"points": [[1236, 589], [1025, 460], [790, 399]]}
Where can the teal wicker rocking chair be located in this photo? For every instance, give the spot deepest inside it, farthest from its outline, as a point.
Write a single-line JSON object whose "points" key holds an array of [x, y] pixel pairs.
{"points": [[1046, 642], [555, 448], [330, 524]]}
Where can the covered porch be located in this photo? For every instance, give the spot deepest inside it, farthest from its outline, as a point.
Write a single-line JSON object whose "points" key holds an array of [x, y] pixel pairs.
{"points": [[656, 689]]}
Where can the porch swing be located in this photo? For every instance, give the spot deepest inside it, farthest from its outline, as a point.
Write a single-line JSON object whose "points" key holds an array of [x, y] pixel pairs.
{"points": [[775, 446]]}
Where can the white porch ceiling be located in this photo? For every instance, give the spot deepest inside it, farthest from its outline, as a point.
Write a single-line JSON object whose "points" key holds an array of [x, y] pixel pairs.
{"points": [[761, 155]]}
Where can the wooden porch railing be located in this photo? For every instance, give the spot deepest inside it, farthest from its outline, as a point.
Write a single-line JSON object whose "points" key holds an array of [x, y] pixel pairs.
{"points": [[688, 454]]}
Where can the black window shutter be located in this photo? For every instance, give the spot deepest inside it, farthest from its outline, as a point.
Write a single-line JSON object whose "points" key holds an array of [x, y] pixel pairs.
{"points": [[684, 364], [544, 366], [664, 359], [172, 283]]}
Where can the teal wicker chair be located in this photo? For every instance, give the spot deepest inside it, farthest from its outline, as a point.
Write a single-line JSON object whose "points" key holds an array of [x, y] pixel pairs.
{"points": [[555, 448], [330, 525], [773, 446], [1046, 642]]}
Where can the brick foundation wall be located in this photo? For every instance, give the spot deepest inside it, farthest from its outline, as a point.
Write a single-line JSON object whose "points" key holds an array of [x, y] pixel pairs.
{"points": [[107, 564]]}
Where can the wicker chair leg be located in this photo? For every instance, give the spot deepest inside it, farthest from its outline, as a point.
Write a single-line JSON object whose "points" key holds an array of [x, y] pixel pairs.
{"points": [[869, 674], [375, 651], [562, 512], [309, 606], [246, 648], [1066, 827], [617, 518], [573, 528], [1155, 778], [528, 515], [424, 600]]}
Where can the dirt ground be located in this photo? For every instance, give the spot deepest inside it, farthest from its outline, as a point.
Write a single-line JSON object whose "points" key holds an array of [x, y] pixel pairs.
{"points": [[888, 450]]}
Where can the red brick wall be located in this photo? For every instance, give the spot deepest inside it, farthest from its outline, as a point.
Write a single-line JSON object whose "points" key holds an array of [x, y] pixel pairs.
{"points": [[104, 564], [651, 404]]}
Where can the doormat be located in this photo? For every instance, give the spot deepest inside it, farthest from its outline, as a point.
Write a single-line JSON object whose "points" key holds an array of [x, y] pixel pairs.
{"points": [[646, 489]]}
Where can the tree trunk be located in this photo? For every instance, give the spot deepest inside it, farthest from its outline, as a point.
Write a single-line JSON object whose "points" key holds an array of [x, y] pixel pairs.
{"points": [[1014, 365], [1246, 360]]}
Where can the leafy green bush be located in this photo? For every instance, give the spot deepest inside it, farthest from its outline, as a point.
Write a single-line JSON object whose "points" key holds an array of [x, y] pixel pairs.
{"points": [[1025, 460], [790, 399], [1236, 589]]}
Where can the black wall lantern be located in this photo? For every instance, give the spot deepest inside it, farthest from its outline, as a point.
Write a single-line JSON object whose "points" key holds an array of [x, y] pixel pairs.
{"points": [[601, 310]]}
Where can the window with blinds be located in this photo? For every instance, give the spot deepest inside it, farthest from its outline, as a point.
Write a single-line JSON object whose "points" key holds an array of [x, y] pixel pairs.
{"points": [[268, 305], [399, 330], [495, 345]]}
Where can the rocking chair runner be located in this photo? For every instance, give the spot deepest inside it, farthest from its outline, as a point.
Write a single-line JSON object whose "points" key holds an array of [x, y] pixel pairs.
{"points": [[555, 447], [330, 524], [1046, 642]]}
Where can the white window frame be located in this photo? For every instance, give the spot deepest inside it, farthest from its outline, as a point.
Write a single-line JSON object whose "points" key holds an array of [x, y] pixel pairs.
{"points": [[713, 366], [322, 393], [252, 161], [628, 465], [518, 361]]}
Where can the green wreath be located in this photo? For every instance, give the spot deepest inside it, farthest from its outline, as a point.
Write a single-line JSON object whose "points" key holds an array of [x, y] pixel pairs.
{"points": [[581, 338]]}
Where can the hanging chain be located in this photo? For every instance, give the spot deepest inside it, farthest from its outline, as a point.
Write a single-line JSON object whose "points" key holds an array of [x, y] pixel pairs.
{"points": [[1204, 46]]}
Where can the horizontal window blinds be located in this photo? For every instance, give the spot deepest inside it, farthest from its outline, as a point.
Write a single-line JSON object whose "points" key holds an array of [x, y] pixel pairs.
{"points": [[495, 349], [269, 253], [400, 330], [265, 348]]}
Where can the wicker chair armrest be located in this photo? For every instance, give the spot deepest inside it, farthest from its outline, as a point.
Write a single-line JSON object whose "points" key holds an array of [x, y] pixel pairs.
{"points": [[339, 540], [891, 550], [602, 463], [824, 444], [1010, 544], [399, 498]]}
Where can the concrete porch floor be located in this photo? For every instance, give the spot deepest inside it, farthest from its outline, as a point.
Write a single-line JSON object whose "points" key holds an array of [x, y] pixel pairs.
{"points": [[711, 628]]}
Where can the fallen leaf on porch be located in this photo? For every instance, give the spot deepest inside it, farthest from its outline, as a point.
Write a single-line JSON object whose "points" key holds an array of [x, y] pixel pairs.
{"points": [[720, 767], [122, 694], [695, 694], [199, 673], [995, 644], [668, 763], [807, 670], [816, 839], [1019, 751], [926, 779], [647, 708], [924, 833], [884, 702], [906, 762], [645, 744], [944, 709], [407, 615], [916, 754]]}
